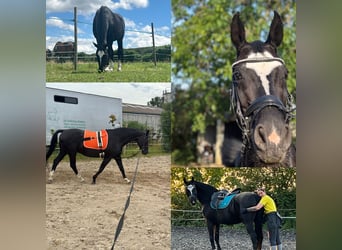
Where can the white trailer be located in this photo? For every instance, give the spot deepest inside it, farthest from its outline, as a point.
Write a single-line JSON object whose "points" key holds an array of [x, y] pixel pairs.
{"points": [[70, 109]]}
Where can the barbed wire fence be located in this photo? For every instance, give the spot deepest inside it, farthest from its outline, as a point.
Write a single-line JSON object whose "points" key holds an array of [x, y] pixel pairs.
{"points": [[72, 54]]}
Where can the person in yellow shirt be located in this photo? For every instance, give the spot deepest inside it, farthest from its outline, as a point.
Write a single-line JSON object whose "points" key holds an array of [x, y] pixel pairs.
{"points": [[272, 217]]}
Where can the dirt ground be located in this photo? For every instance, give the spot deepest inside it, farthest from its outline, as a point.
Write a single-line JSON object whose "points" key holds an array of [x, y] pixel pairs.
{"points": [[197, 238], [85, 216]]}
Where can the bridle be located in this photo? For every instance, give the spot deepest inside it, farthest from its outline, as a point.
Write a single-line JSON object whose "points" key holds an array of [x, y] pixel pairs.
{"points": [[193, 192], [245, 120], [145, 143]]}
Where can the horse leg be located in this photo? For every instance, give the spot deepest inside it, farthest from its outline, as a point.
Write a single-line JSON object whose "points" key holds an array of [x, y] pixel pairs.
{"points": [[211, 234], [121, 167], [59, 157], [252, 234], [104, 163], [72, 158], [120, 54], [111, 57], [217, 236], [258, 230]]}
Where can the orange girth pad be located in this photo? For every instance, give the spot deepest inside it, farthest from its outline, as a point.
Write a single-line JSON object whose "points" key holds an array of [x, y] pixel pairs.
{"points": [[95, 139]]}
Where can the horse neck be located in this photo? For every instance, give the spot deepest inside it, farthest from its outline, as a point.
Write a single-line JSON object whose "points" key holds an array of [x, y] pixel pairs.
{"points": [[204, 192], [129, 135]]}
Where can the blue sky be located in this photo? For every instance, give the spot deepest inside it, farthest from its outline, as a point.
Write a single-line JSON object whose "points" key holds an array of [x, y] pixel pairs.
{"points": [[138, 15]]}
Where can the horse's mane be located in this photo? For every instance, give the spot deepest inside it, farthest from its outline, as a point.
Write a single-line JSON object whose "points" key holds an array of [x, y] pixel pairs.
{"points": [[204, 191], [205, 187]]}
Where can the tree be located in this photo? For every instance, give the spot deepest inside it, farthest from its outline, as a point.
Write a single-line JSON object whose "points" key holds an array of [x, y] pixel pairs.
{"points": [[165, 121], [202, 53], [156, 102]]}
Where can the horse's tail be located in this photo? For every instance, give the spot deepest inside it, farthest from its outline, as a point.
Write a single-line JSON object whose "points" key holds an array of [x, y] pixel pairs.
{"points": [[53, 143]]}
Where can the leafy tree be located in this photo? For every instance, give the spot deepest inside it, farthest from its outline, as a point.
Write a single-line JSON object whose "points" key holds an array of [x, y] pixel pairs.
{"points": [[156, 102], [166, 126], [202, 55], [135, 125]]}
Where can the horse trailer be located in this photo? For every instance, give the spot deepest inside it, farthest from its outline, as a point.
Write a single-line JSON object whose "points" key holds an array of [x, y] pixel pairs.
{"points": [[70, 109]]}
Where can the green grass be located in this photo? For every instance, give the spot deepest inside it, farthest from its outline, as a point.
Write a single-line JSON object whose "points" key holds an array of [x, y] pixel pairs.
{"points": [[87, 72]]}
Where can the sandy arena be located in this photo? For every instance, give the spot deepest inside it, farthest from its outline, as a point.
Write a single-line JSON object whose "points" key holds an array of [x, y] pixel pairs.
{"points": [[85, 216]]}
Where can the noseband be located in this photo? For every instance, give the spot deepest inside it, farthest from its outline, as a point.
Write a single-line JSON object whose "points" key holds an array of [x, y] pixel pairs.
{"points": [[244, 121]]}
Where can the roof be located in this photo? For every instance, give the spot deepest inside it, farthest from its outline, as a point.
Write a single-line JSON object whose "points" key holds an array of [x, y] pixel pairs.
{"points": [[140, 109]]}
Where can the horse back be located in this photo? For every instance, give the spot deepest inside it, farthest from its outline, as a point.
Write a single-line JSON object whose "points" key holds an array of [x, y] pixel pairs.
{"points": [[71, 137], [108, 26], [246, 199]]}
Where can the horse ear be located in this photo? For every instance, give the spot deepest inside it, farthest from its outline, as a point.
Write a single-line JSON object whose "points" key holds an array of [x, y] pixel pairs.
{"points": [[237, 31], [95, 44], [147, 132], [184, 180], [192, 178], [275, 35]]}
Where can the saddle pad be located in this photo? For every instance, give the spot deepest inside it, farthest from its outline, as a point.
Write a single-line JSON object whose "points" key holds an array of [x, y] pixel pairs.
{"points": [[221, 204], [95, 139]]}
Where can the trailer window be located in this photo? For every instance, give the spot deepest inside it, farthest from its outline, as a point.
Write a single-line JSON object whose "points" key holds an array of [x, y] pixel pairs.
{"points": [[66, 99]]}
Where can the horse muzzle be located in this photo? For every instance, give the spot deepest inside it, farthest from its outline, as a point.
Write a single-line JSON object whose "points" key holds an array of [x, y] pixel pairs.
{"points": [[144, 151], [192, 200]]}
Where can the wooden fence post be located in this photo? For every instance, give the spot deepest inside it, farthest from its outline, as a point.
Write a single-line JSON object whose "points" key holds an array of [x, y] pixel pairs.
{"points": [[154, 47], [75, 39]]}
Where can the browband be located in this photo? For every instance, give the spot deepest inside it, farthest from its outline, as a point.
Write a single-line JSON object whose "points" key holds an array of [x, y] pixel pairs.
{"points": [[260, 59]]}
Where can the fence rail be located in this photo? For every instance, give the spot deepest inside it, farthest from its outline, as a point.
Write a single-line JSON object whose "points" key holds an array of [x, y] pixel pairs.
{"points": [[202, 219], [61, 57]]}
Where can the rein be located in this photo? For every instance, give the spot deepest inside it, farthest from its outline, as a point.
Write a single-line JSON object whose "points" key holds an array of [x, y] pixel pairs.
{"points": [[121, 221]]}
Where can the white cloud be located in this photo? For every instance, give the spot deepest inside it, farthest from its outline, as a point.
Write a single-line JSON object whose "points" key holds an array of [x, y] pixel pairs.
{"points": [[89, 7], [129, 4], [56, 22]]}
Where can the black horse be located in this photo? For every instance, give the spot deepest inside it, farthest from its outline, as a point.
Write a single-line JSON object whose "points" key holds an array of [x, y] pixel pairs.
{"points": [[260, 100], [107, 28], [71, 142], [230, 215]]}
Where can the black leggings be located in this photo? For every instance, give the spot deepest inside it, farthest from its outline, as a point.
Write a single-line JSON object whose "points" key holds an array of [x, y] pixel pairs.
{"points": [[273, 224]]}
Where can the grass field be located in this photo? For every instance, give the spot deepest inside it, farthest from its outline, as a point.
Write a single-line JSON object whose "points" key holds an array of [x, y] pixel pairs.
{"points": [[87, 72]]}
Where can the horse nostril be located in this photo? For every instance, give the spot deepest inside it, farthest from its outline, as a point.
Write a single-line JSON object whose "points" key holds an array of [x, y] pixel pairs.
{"points": [[260, 137]]}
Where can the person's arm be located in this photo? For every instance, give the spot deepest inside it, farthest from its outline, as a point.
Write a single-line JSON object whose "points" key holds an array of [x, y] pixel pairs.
{"points": [[253, 209]]}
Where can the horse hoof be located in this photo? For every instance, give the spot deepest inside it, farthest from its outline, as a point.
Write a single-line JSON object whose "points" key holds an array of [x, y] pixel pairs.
{"points": [[127, 180]]}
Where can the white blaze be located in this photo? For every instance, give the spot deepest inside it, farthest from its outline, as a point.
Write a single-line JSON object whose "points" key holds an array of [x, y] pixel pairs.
{"points": [[262, 69], [100, 53], [190, 188]]}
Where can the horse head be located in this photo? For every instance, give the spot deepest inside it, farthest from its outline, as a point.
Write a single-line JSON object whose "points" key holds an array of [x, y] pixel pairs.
{"points": [[102, 56], [259, 95], [191, 191], [143, 142]]}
